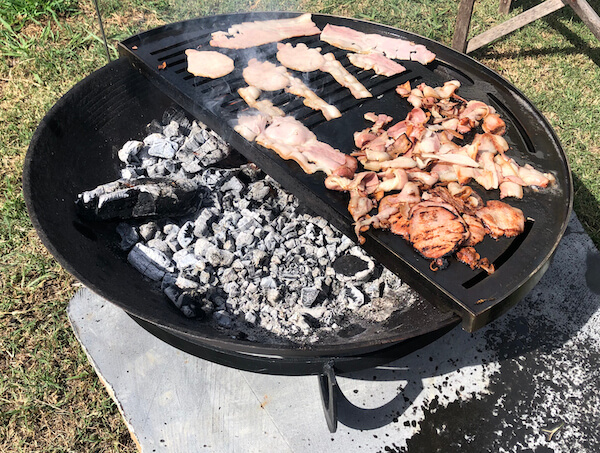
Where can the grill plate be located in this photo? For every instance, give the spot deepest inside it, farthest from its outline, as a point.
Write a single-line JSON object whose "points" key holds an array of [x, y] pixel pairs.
{"points": [[475, 296]]}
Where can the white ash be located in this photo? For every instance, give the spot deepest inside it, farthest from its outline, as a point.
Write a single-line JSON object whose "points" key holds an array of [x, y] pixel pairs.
{"points": [[250, 260]]}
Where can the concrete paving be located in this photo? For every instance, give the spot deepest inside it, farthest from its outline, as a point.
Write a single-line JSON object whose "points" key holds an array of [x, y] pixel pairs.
{"points": [[525, 383]]}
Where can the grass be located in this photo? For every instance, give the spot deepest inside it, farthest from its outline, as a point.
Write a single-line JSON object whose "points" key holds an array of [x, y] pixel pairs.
{"points": [[50, 397]]}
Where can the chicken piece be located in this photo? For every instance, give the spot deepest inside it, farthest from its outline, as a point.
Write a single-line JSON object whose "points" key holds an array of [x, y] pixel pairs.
{"points": [[501, 219], [208, 63]]}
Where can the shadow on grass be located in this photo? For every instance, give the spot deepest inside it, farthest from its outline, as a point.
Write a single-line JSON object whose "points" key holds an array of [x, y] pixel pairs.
{"points": [[556, 21], [587, 208]]}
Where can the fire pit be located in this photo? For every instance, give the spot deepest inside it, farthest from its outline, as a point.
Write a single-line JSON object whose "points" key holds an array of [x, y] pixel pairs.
{"points": [[76, 148]]}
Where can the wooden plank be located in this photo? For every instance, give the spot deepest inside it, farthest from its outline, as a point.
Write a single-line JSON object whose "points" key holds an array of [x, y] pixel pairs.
{"points": [[504, 6], [589, 17], [549, 6], [463, 22]]}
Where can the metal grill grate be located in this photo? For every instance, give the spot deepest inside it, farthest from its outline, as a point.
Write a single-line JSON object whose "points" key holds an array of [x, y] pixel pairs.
{"points": [[477, 297]]}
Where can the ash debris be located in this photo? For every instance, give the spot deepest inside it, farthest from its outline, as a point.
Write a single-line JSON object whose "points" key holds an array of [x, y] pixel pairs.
{"points": [[242, 254]]}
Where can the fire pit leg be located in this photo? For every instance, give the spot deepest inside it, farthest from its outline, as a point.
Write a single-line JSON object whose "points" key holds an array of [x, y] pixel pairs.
{"points": [[329, 392]]}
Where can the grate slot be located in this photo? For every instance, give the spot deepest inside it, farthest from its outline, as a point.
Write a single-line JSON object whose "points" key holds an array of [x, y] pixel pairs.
{"points": [[504, 256]]}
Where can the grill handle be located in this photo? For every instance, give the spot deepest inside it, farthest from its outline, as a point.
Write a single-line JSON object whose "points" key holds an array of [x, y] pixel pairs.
{"points": [[330, 392]]}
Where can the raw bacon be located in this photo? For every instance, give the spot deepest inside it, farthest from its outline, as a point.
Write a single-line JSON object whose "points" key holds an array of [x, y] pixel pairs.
{"points": [[264, 75], [303, 58], [208, 63], [257, 33], [356, 41], [377, 62]]}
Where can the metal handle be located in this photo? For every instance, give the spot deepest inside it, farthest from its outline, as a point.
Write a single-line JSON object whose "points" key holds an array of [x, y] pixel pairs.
{"points": [[329, 391]]}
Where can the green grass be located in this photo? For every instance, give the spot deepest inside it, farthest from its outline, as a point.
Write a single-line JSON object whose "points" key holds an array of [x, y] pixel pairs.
{"points": [[50, 398]]}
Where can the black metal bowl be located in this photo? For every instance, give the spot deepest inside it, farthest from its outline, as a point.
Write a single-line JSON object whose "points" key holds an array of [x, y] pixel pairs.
{"points": [[75, 149]]}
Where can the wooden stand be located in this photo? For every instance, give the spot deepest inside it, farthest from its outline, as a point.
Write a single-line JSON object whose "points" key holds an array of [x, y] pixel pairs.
{"points": [[465, 10]]}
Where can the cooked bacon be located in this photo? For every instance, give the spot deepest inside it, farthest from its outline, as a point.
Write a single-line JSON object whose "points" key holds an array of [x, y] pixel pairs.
{"points": [[208, 63], [257, 33], [400, 49], [435, 231], [470, 257], [476, 230], [501, 219], [377, 62]]}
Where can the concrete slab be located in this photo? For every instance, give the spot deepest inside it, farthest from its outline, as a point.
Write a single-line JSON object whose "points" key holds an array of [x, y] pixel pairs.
{"points": [[526, 383]]}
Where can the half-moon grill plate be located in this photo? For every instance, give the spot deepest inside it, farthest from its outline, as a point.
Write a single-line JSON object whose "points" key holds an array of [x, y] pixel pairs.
{"points": [[477, 297]]}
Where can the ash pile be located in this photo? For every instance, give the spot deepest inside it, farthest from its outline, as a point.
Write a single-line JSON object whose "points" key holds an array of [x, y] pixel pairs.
{"points": [[229, 246]]}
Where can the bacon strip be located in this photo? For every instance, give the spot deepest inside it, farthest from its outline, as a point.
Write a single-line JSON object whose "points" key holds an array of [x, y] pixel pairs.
{"points": [[264, 75], [356, 41], [303, 58], [377, 62], [257, 33]]}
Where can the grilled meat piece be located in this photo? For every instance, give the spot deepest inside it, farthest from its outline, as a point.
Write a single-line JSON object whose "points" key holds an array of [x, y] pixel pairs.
{"points": [[501, 219], [470, 257], [436, 229]]}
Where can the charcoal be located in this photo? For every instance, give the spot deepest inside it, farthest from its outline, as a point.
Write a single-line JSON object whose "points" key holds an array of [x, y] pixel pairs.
{"points": [[160, 245], [171, 130], [129, 235], [160, 146], [185, 236], [230, 246], [154, 127], [128, 153], [139, 198], [308, 296], [175, 113], [148, 230], [149, 262]]}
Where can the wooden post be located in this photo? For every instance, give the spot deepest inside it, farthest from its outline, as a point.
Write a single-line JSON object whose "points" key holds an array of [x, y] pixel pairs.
{"points": [[515, 23], [463, 22], [589, 17], [504, 6]]}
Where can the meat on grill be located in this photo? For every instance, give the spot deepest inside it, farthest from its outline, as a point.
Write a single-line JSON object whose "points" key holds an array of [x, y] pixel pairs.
{"points": [[356, 41], [264, 75], [208, 63], [501, 219], [377, 62], [300, 58], [257, 33], [436, 229], [303, 58]]}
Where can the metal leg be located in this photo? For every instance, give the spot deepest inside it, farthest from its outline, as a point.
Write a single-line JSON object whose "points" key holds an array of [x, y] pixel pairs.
{"points": [[102, 30], [329, 391]]}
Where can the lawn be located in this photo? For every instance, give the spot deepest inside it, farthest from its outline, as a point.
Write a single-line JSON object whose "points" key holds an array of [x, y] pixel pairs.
{"points": [[50, 397]]}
